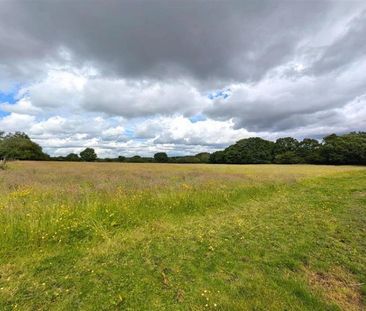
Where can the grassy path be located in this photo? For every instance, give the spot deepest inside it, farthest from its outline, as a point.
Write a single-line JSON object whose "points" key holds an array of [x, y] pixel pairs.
{"points": [[273, 246]]}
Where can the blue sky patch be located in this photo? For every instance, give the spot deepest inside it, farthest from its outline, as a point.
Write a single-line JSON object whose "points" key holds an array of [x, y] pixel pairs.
{"points": [[197, 118], [219, 93], [6, 98]]}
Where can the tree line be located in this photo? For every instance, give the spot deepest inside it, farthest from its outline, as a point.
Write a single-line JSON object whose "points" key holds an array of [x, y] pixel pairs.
{"points": [[333, 149]]}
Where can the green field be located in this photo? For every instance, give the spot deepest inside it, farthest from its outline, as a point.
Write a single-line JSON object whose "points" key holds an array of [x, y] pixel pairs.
{"points": [[109, 236]]}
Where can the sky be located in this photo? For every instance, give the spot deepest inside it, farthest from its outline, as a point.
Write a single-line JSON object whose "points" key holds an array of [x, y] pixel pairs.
{"points": [[182, 77]]}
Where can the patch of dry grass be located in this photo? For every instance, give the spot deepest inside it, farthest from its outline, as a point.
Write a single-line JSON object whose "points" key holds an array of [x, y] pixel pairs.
{"points": [[338, 286]]}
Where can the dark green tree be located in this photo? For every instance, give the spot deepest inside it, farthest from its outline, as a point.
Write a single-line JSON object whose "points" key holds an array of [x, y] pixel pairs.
{"points": [[346, 149], [161, 157], [72, 157], [287, 157], [19, 146], [88, 155], [285, 144], [254, 150], [121, 159], [136, 159], [186, 159], [309, 151], [217, 157], [203, 156], [285, 151]]}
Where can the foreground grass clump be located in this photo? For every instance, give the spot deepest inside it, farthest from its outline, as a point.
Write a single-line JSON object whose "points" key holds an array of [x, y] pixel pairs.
{"points": [[176, 237]]}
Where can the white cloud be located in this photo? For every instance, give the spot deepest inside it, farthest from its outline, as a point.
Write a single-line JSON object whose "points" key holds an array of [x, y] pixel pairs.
{"points": [[22, 106], [180, 130], [59, 89], [16, 122]]}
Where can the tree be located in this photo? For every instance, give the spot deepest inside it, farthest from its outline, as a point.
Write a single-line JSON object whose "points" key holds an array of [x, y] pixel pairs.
{"points": [[252, 150], [288, 157], [203, 156], [217, 157], [161, 157], [19, 146], [346, 149], [285, 151], [186, 159], [72, 157], [136, 159], [285, 144], [309, 151], [121, 159], [88, 155]]}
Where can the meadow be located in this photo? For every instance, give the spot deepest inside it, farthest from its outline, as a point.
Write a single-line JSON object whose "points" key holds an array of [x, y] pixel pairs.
{"points": [[113, 236]]}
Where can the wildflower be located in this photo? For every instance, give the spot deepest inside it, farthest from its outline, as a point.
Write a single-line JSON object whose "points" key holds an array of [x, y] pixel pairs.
{"points": [[186, 186]]}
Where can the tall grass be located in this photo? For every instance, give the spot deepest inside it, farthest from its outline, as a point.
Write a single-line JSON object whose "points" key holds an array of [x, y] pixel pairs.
{"points": [[3, 164], [112, 236]]}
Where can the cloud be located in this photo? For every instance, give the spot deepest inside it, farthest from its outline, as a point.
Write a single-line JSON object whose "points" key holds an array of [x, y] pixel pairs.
{"points": [[346, 49], [16, 122], [142, 98], [129, 77], [279, 103], [225, 40], [180, 130], [22, 106]]}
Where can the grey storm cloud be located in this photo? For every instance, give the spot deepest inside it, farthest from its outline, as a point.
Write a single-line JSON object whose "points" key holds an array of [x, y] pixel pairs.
{"points": [[348, 48], [219, 40]]}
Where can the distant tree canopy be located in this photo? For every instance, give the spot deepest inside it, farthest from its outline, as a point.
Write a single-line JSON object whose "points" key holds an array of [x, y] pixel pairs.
{"points": [[309, 150], [88, 155], [204, 157], [285, 151], [72, 157], [344, 149], [121, 159], [161, 157], [250, 150], [18, 146]]}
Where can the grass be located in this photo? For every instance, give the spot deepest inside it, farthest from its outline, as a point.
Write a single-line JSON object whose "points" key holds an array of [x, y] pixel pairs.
{"points": [[107, 236]]}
